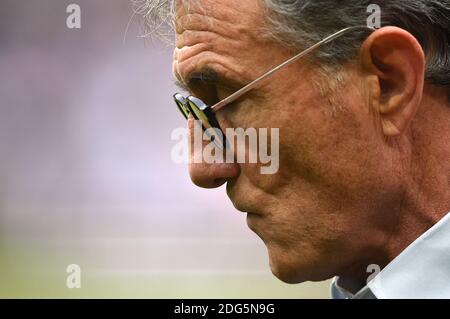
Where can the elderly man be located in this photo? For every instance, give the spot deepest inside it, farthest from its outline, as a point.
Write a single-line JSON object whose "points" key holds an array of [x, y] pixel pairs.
{"points": [[364, 134]]}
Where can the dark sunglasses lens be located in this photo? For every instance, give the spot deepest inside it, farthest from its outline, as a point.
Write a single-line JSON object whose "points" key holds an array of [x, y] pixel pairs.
{"points": [[181, 104], [199, 114], [208, 122]]}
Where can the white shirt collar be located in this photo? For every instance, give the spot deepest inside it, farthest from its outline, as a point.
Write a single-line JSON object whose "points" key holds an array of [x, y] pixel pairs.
{"points": [[422, 270]]}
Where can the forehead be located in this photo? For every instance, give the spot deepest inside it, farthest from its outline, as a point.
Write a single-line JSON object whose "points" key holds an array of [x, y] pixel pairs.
{"points": [[237, 12], [216, 35]]}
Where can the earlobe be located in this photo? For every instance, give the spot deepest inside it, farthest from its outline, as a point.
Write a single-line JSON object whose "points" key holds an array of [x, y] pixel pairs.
{"points": [[394, 67]]}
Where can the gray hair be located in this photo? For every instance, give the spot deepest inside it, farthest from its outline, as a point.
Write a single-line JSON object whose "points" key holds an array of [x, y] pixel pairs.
{"points": [[301, 23]]}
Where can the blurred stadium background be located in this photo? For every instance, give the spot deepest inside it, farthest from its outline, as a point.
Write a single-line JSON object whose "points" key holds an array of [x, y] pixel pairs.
{"points": [[86, 176]]}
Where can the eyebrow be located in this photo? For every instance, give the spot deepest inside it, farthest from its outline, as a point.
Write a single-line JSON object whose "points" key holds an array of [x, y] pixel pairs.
{"points": [[207, 76]]}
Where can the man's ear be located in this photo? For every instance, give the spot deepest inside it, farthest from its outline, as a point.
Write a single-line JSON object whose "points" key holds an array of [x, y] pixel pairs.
{"points": [[393, 63]]}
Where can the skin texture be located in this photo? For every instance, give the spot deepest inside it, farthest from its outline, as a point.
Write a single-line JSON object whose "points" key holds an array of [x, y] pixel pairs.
{"points": [[364, 168]]}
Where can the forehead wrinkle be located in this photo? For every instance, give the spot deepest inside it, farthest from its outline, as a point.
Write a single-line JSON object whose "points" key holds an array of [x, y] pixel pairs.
{"points": [[196, 22], [194, 43], [192, 37], [201, 55], [198, 30], [223, 18], [201, 34], [187, 52]]}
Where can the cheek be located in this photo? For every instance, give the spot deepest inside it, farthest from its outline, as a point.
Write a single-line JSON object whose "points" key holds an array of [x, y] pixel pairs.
{"points": [[338, 155], [320, 149]]}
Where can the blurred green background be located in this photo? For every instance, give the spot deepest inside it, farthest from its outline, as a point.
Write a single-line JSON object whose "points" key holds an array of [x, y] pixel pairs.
{"points": [[86, 175]]}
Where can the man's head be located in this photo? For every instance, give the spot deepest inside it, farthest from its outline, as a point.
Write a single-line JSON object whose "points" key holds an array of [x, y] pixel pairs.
{"points": [[363, 123]]}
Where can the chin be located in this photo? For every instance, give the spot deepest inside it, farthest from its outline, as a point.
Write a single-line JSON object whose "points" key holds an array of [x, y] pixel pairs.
{"points": [[292, 271], [286, 274]]}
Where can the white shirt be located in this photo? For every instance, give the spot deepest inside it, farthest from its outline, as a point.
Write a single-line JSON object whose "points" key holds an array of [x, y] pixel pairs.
{"points": [[421, 271]]}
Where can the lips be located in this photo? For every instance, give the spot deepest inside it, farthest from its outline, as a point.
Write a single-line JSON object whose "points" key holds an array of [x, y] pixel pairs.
{"points": [[247, 208], [251, 211], [239, 200], [241, 207]]}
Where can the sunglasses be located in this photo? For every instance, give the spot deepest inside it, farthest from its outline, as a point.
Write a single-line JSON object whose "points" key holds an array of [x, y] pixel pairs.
{"points": [[201, 112], [206, 114]]}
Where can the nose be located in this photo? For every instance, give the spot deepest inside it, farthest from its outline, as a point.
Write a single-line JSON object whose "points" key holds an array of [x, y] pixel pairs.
{"points": [[204, 174]]}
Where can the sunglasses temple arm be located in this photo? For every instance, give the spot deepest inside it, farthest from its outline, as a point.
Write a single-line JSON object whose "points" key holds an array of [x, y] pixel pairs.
{"points": [[251, 85]]}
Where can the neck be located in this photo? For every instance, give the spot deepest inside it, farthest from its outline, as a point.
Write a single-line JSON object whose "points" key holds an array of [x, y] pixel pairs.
{"points": [[426, 191]]}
